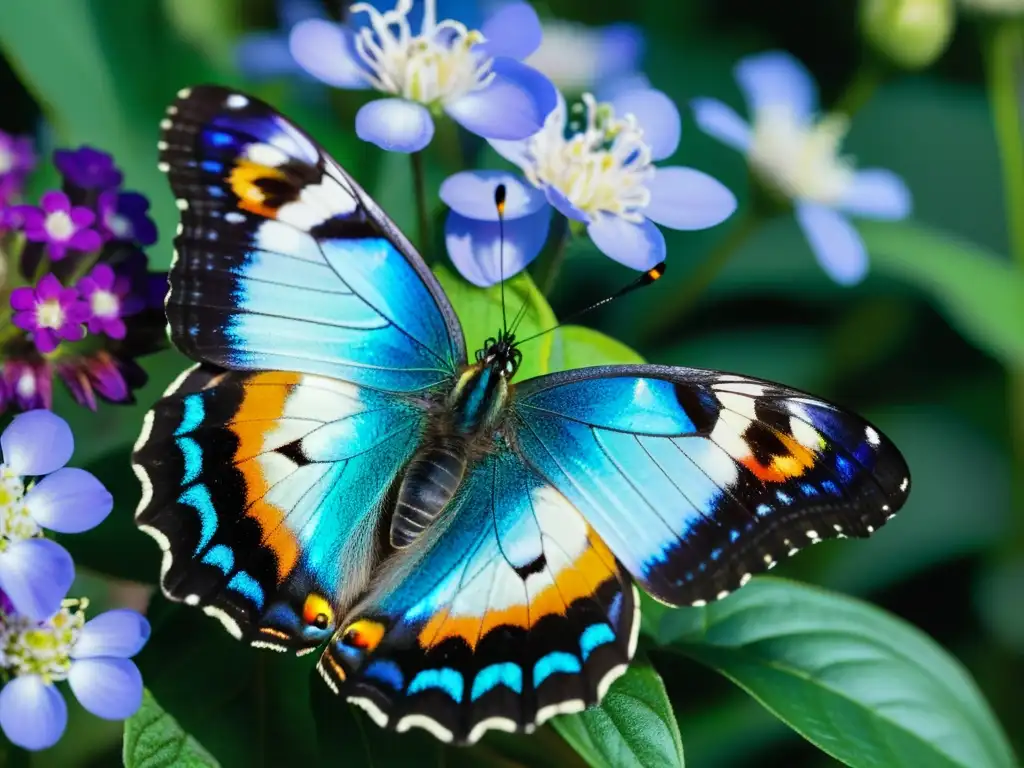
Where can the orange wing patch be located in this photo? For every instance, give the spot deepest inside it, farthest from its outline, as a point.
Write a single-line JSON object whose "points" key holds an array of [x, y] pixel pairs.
{"points": [[784, 466], [258, 187], [263, 402], [549, 592]]}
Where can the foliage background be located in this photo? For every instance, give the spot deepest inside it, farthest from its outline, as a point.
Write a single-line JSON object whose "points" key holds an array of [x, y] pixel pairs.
{"points": [[922, 348]]}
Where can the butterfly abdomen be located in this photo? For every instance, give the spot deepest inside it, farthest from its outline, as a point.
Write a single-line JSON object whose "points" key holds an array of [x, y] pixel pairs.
{"points": [[430, 481]]}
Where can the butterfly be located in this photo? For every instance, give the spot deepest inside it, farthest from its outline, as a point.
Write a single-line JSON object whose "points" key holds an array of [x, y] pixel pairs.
{"points": [[336, 472]]}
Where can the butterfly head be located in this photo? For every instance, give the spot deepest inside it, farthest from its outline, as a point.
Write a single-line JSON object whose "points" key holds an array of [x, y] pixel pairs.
{"points": [[501, 355]]}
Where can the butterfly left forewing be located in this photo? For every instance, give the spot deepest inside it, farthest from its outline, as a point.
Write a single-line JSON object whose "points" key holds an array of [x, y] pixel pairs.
{"points": [[697, 479], [513, 612]]}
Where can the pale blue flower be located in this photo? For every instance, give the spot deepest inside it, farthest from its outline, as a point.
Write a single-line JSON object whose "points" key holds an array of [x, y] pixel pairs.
{"points": [[475, 77], [594, 164], [795, 155]]}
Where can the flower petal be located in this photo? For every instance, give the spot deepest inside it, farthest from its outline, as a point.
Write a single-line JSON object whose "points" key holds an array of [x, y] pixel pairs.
{"points": [[33, 714], [565, 206], [683, 198], [36, 574], [70, 500], [37, 443], [836, 244], [516, 152], [396, 125], [327, 51], [657, 114], [118, 634], [471, 194], [513, 106], [109, 688], [639, 246], [513, 30], [876, 193], [476, 248], [777, 78], [720, 121]]}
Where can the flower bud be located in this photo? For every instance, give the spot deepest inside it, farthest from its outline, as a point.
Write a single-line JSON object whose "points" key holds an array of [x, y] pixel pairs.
{"points": [[908, 33]]}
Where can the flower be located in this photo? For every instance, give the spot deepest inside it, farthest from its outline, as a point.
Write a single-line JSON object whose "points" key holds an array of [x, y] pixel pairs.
{"points": [[16, 161], [87, 168], [35, 572], [795, 157], [124, 216], [594, 164], [92, 656], [61, 225], [26, 384], [105, 293], [578, 58], [50, 312], [475, 77], [265, 54]]}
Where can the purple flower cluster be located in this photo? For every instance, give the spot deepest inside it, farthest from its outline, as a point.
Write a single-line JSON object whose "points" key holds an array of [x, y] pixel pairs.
{"points": [[82, 303], [44, 638]]}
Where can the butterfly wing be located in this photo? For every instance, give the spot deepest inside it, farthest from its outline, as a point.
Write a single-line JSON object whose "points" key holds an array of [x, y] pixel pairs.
{"points": [[258, 484], [512, 611], [697, 479], [283, 262], [261, 486]]}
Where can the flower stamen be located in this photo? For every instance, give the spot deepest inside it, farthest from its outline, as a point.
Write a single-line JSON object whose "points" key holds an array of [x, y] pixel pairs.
{"points": [[42, 648]]}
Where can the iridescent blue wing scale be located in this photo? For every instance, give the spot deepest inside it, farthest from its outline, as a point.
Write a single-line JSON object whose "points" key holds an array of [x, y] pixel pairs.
{"points": [[697, 479], [260, 487], [283, 262], [514, 610], [261, 484]]}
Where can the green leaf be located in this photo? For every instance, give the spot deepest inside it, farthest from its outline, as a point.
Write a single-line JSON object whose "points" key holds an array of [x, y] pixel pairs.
{"points": [[153, 739], [479, 310], [634, 726], [865, 687], [979, 292], [576, 346]]}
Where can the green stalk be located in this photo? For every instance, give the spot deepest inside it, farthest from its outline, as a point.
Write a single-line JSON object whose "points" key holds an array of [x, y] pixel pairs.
{"points": [[419, 179], [546, 274], [1003, 48]]}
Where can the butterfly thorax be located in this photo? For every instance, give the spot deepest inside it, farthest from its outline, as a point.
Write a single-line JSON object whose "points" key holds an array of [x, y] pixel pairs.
{"points": [[460, 432]]}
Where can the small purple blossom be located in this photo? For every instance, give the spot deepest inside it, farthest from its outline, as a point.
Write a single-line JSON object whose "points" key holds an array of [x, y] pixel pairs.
{"points": [[794, 154], [92, 656], [87, 168], [17, 159], [50, 312], [27, 384], [60, 225], [125, 216], [476, 77], [594, 164], [105, 294]]}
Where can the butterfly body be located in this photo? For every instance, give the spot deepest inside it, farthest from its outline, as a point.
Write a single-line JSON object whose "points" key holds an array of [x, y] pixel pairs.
{"points": [[335, 473]]}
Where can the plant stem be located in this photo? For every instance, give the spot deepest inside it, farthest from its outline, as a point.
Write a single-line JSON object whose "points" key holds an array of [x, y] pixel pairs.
{"points": [[700, 278], [547, 271], [1003, 48], [862, 87], [419, 180]]}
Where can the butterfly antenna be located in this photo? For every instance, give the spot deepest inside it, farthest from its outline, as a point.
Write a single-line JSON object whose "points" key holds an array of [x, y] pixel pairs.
{"points": [[499, 204], [651, 275]]}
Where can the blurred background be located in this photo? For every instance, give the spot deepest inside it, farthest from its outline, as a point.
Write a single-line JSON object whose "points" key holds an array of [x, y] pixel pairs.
{"points": [[925, 347]]}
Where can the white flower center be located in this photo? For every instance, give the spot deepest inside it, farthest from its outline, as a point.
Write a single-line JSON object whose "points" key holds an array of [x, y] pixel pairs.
{"points": [[27, 384], [105, 304], [42, 648], [435, 67], [604, 165], [801, 160], [59, 225], [16, 524], [50, 314], [6, 160]]}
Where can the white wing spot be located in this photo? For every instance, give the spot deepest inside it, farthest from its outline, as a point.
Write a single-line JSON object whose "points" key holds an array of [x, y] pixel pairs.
{"points": [[813, 535], [838, 528], [233, 217], [768, 559], [699, 603], [744, 579], [182, 204], [162, 146], [184, 93], [885, 507], [162, 166], [905, 483], [236, 101], [792, 552], [872, 435], [871, 529], [723, 593], [165, 124]]}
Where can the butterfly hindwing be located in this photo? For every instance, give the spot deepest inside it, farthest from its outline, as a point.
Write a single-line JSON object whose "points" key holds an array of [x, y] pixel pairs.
{"points": [[515, 611], [283, 262], [697, 479], [260, 487]]}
